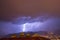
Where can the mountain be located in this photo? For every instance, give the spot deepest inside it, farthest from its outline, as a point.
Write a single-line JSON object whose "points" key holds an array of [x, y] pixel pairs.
{"points": [[31, 33]]}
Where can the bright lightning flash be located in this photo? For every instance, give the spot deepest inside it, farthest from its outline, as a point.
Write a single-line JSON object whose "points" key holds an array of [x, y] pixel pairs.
{"points": [[24, 25]]}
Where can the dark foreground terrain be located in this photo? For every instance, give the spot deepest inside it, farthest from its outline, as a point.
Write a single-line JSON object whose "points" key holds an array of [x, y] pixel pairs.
{"points": [[25, 36]]}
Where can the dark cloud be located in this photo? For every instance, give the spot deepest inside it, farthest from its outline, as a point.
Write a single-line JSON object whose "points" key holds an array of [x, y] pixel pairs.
{"points": [[10, 9]]}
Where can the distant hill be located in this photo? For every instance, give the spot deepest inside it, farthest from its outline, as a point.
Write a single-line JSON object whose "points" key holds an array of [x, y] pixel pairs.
{"points": [[31, 33]]}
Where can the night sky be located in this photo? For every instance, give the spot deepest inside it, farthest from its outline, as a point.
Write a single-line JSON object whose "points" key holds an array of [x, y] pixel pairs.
{"points": [[12, 10]]}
